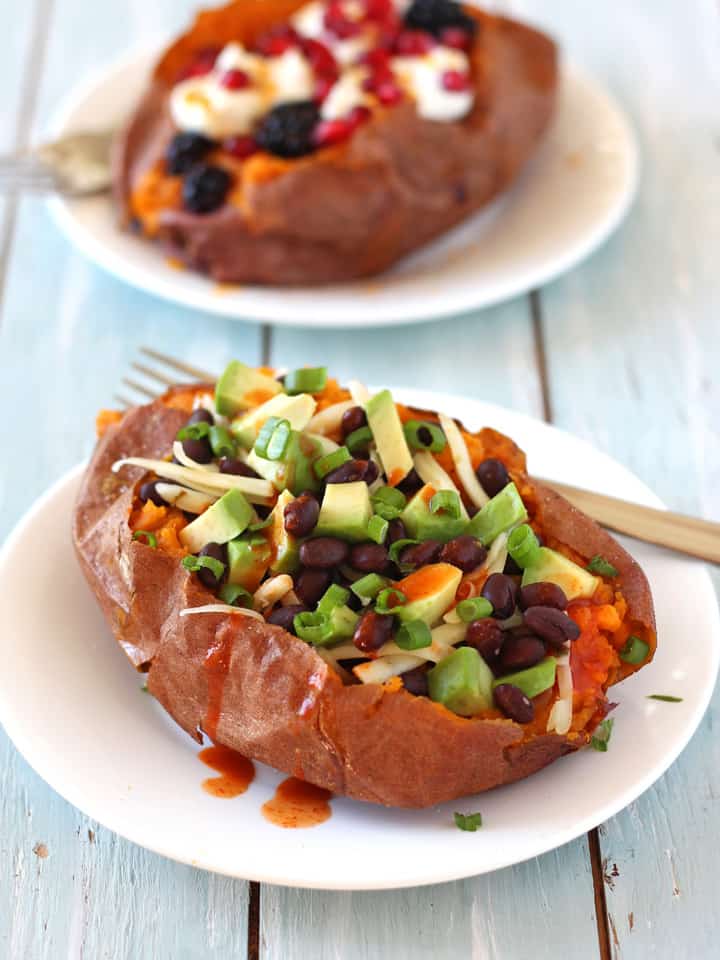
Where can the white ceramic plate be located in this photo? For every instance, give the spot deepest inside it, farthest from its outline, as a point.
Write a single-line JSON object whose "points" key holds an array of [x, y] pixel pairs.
{"points": [[73, 706], [575, 192]]}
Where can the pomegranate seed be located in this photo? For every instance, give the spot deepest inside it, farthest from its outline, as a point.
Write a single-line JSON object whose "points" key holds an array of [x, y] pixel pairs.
{"points": [[388, 93], [323, 86], [456, 37], [378, 9], [240, 147], [329, 132], [377, 59], [336, 22], [414, 43], [455, 80], [358, 115], [275, 43], [235, 80]]}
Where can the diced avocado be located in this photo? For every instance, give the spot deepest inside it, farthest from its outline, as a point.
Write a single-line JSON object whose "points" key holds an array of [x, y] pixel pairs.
{"points": [[297, 410], [345, 511], [224, 520], [462, 682], [552, 567], [295, 471], [240, 387], [534, 680], [421, 524], [343, 621], [430, 592], [499, 514], [389, 437], [248, 560], [285, 548]]}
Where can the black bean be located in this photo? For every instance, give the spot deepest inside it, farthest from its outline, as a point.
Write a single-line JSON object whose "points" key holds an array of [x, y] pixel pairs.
{"points": [[236, 467], [421, 553], [554, 626], [501, 591], [198, 450], [493, 476], [201, 415], [284, 616], [513, 703], [353, 470], [396, 531], [353, 419], [324, 553], [415, 681], [301, 516], [373, 630], [511, 568], [369, 558], [148, 491], [464, 552], [487, 638], [218, 552], [542, 595], [520, 651], [411, 484], [310, 585]]}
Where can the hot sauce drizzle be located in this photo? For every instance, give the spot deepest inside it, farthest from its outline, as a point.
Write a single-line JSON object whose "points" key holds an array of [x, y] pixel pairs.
{"points": [[217, 664], [236, 772], [298, 804]]}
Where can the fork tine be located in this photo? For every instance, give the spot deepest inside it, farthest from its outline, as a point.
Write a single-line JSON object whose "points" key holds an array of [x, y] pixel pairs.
{"points": [[191, 371], [153, 374], [134, 385], [123, 401]]}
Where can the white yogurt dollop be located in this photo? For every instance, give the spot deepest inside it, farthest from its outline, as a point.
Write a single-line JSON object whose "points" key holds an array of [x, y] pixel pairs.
{"points": [[422, 78]]}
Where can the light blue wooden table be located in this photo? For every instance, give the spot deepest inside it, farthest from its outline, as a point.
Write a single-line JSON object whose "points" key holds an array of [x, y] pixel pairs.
{"points": [[623, 351]]}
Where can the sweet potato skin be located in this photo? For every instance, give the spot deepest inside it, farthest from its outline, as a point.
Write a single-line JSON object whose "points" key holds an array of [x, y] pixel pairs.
{"points": [[355, 209], [255, 688]]}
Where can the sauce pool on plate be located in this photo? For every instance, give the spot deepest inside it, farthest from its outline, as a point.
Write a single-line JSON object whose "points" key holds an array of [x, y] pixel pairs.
{"points": [[298, 804], [236, 772]]}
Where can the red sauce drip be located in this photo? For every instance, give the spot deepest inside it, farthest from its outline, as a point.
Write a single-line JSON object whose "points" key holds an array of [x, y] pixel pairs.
{"points": [[298, 804], [217, 665], [236, 772]]}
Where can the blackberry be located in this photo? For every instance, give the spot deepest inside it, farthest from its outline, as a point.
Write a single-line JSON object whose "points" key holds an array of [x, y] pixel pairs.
{"points": [[205, 188], [185, 150], [288, 129], [434, 16]]}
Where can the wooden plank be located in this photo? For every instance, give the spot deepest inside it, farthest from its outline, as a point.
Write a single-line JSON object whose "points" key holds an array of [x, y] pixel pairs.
{"points": [[632, 343]]}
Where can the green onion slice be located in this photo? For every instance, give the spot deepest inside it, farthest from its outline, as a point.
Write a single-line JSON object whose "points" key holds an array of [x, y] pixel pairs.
{"points": [[232, 593], [389, 599], [468, 821], [334, 596], [369, 586], [665, 697], [260, 525], [421, 435], [377, 529], [601, 567], [330, 462], [193, 564], [414, 635], [277, 445], [149, 538], [523, 545], [193, 431], [222, 442], [474, 608], [447, 502], [314, 628], [306, 380], [635, 650], [397, 548], [358, 440], [601, 738], [388, 502], [265, 436]]}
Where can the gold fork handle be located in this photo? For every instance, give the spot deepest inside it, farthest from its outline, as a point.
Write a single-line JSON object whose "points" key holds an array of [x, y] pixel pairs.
{"points": [[698, 538]]}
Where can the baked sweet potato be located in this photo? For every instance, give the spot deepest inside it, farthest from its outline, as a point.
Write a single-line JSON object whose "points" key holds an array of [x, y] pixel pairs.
{"points": [[302, 707], [383, 185]]}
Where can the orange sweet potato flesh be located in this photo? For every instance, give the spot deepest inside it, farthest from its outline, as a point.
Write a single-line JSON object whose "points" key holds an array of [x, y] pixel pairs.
{"points": [[355, 209], [255, 688]]}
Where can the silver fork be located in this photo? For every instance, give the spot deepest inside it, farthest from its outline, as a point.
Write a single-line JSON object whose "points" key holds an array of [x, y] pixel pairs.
{"points": [[162, 379], [75, 165]]}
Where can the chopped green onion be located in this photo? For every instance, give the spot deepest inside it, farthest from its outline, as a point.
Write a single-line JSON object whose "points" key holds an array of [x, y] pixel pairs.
{"points": [[232, 592], [265, 436], [665, 697], [417, 433], [499, 514], [330, 462], [149, 538], [334, 596], [377, 529], [194, 564], [388, 502], [601, 566], [447, 502], [358, 439], [314, 628], [193, 431], [468, 821], [634, 651], [474, 608], [523, 545], [306, 380], [278, 443], [389, 599], [414, 635], [261, 524], [397, 548], [369, 586], [601, 739], [222, 442]]}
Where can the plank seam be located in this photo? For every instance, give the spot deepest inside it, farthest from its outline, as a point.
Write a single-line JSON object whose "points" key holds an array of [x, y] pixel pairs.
{"points": [[536, 314], [253, 935], [601, 910], [266, 344]]}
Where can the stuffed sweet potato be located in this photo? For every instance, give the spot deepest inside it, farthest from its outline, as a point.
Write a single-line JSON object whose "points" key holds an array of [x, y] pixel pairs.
{"points": [[291, 142], [359, 594]]}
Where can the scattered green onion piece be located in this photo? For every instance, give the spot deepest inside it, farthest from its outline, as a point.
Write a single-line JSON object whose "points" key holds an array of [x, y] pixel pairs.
{"points": [[314, 628], [330, 462], [388, 502], [601, 739], [222, 442], [144, 688], [468, 821], [474, 608], [601, 566], [193, 564], [414, 635], [306, 380], [232, 592], [389, 599], [334, 596], [369, 586], [149, 538], [635, 650], [193, 431], [665, 697], [278, 443], [523, 545], [265, 436], [377, 529], [412, 430], [260, 525], [397, 548], [358, 439], [447, 502]]}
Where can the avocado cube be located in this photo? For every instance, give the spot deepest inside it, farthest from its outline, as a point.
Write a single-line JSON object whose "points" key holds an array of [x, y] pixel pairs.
{"points": [[345, 511], [462, 682], [389, 437], [248, 561], [240, 387], [224, 520], [421, 524], [285, 548], [534, 680], [552, 567], [499, 514]]}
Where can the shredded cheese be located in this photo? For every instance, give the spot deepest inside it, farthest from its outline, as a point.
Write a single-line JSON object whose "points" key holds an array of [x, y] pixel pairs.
{"points": [[461, 459], [326, 655], [290, 599], [497, 554], [329, 419], [430, 471], [184, 499], [222, 608], [256, 490], [359, 392], [272, 591], [382, 669], [434, 653], [561, 714]]}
